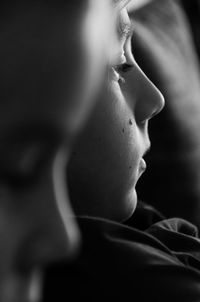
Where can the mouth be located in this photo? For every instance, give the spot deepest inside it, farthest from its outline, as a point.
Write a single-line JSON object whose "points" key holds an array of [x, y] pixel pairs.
{"points": [[142, 167], [142, 163]]}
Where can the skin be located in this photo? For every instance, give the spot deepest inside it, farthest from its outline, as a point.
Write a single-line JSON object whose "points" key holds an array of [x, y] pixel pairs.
{"points": [[49, 61], [108, 157]]}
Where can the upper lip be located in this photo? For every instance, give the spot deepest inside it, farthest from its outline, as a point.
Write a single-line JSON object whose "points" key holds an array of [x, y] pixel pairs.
{"points": [[147, 149], [143, 163]]}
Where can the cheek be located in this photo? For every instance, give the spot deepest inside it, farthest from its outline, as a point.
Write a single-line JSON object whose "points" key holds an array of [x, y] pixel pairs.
{"points": [[103, 169], [122, 137], [107, 151]]}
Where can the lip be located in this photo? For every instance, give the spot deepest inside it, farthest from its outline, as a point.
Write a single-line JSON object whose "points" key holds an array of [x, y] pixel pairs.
{"points": [[142, 167]]}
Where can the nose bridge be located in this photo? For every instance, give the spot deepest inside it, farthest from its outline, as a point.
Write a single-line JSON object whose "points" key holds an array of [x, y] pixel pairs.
{"points": [[150, 99]]}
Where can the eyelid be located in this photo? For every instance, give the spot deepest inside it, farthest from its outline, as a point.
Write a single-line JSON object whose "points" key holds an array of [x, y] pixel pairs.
{"points": [[126, 51], [124, 54]]}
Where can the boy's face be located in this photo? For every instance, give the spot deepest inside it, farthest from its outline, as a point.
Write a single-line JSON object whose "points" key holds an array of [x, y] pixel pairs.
{"points": [[108, 158], [49, 61]]}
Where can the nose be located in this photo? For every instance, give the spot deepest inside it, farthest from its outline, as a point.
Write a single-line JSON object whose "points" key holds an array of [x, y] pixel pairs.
{"points": [[148, 100]]}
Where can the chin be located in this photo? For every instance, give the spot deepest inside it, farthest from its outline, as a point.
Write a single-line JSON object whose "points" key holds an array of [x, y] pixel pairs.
{"points": [[131, 203]]}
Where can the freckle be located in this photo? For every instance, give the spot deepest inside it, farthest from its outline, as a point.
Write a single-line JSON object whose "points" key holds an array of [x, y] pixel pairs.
{"points": [[130, 167], [130, 122], [123, 130]]}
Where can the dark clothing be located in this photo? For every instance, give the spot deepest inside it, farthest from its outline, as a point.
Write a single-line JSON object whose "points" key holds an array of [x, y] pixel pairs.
{"points": [[144, 216], [120, 263]]}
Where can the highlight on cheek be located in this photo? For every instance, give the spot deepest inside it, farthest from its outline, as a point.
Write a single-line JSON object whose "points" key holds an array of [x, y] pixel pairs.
{"points": [[98, 27], [96, 32]]}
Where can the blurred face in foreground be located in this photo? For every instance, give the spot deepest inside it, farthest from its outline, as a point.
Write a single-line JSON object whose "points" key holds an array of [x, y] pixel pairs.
{"points": [[51, 65], [108, 158]]}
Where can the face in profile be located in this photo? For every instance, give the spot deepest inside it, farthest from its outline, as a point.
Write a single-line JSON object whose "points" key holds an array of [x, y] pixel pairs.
{"points": [[108, 159], [51, 66]]}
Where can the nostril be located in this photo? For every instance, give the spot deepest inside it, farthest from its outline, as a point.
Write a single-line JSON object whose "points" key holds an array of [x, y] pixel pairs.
{"points": [[155, 112]]}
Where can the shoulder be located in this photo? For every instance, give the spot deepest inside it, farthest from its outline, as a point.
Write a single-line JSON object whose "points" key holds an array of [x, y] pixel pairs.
{"points": [[119, 263], [127, 258]]}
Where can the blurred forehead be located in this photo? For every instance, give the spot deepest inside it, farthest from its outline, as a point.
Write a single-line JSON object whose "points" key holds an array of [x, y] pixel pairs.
{"points": [[40, 49]]}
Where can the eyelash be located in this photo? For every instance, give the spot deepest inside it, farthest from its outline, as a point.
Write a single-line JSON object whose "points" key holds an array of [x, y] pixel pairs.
{"points": [[122, 69], [124, 63]]}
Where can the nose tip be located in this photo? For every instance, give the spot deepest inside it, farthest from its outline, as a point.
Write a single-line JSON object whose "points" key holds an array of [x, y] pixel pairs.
{"points": [[150, 100], [159, 102]]}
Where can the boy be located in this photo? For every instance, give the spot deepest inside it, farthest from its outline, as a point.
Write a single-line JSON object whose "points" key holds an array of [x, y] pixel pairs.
{"points": [[119, 263]]}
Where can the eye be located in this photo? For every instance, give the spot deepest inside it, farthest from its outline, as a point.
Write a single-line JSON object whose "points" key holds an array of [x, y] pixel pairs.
{"points": [[123, 60], [121, 70], [126, 66]]}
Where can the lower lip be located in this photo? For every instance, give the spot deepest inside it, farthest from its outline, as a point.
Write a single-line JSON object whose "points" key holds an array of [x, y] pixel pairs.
{"points": [[142, 166]]}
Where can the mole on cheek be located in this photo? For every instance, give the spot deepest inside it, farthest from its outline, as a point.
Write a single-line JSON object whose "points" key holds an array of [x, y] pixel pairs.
{"points": [[130, 122]]}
